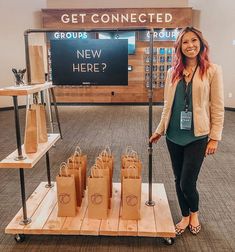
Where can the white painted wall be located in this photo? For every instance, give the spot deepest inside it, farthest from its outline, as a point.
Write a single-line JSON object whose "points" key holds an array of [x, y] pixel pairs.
{"points": [[216, 18], [15, 18], [115, 4]]}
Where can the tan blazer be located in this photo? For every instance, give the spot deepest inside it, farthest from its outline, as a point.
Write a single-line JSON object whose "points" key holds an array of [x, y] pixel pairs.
{"points": [[208, 103]]}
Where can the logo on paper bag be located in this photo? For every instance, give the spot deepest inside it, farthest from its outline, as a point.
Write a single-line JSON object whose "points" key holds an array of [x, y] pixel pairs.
{"points": [[96, 198], [131, 200], [64, 198]]}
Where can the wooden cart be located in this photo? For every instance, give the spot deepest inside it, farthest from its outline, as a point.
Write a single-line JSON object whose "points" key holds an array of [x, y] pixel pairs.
{"points": [[39, 214], [156, 221]]}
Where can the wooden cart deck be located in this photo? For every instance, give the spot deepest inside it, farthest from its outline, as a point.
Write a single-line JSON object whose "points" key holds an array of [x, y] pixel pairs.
{"points": [[42, 209]]}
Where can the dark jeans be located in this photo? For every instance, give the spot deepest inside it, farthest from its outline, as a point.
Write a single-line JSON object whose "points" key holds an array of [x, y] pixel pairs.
{"points": [[186, 163]]}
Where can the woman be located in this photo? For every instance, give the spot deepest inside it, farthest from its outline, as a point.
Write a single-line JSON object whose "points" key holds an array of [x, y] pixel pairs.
{"points": [[192, 119]]}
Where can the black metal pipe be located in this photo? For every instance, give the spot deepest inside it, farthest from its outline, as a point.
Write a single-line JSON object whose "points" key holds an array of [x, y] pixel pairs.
{"points": [[42, 97], [17, 128], [42, 30], [150, 201], [27, 61], [48, 170], [23, 198], [26, 32], [50, 110], [56, 110]]}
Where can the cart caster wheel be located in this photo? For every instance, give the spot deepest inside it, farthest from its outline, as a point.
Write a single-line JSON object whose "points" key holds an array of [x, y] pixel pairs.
{"points": [[19, 238], [169, 241]]}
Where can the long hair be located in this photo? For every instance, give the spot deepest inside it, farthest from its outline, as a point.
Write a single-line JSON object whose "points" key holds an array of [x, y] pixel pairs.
{"points": [[180, 59]]}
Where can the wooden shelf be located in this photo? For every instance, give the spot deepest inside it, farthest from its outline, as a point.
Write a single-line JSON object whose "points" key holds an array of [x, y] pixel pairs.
{"points": [[24, 90], [156, 221], [31, 159]]}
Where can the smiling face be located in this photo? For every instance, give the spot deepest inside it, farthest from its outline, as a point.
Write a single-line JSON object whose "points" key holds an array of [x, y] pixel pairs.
{"points": [[190, 45]]}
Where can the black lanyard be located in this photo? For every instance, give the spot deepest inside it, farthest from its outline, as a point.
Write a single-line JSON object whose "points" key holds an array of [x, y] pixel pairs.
{"points": [[187, 91]]}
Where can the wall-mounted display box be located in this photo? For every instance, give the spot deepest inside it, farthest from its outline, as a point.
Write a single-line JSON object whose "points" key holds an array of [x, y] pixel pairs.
{"points": [[162, 61]]}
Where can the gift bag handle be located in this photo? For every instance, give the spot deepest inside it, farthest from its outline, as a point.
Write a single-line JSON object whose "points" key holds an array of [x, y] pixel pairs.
{"points": [[104, 153], [134, 154], [72, 160], [128, 149], [108, 150], [99, 165], [95, 173], [64, 166], [92, 172], [78, 151]]}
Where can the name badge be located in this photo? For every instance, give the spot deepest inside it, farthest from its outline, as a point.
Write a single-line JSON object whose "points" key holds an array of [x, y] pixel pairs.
{"points": [[185, 120]]}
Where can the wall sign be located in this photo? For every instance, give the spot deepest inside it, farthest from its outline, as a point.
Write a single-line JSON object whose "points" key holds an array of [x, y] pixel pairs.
{"points": [[70, 35], [160, 35], [121, 17], [89, 62]]}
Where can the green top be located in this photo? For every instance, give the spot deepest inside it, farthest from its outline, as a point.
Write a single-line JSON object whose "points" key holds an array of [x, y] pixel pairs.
{"points": [[174, 133]]}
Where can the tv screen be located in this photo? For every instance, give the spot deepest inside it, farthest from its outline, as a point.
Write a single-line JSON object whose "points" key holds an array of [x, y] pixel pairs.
{"points": [[89, 62], [129, 35]]}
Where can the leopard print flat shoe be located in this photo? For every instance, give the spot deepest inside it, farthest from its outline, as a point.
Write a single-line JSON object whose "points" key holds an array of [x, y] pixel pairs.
{"points": [[179, 231], [194, 230]]}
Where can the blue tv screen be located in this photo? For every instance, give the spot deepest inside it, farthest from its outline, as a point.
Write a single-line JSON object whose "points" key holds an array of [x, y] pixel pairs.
{"points": [[129, 35]]}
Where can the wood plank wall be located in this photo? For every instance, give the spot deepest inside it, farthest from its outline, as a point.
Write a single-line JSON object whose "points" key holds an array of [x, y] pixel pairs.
{"points": [[135, 92]]}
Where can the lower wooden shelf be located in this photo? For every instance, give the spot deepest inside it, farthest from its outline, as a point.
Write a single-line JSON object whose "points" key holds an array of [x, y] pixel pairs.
{"points": [[31, 159], [155, 221]]}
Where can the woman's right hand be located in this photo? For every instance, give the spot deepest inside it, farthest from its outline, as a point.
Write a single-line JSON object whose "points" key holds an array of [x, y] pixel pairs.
{"points": [[154, 138]]}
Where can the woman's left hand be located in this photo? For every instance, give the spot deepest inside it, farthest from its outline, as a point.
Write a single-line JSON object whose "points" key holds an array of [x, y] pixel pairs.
{"points": [[212, 146]]}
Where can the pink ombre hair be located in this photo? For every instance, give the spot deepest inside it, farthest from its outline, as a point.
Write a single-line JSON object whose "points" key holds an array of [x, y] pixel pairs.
{"points": [[180, 59]]}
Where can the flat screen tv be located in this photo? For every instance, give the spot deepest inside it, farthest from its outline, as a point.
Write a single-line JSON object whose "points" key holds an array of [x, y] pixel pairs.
{"points": [[130, 35], [89, 62]]}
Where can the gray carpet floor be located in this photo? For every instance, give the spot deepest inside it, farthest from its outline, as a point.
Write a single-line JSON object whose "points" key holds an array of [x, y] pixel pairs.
{"points": [[93, 127]]}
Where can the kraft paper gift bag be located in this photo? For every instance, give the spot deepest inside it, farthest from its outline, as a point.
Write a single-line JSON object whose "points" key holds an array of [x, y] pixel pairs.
{"points": [[131, 171], [132, 159], [107, 158], [41, 122], [78, 165], [105, 171], [81, 160], [131, 198], [66, 193], [30, 137], [126, 155], [75, 170], [97, 196], [36, 64]]}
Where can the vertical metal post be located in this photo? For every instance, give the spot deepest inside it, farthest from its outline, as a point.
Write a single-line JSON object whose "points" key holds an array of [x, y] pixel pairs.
{"points": [[56, 111], [150, 202], [26, 43], [27, 103], [17, 127], [20, 157], [42, 97], [25, 220], [49, 185], [49, 110]]}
